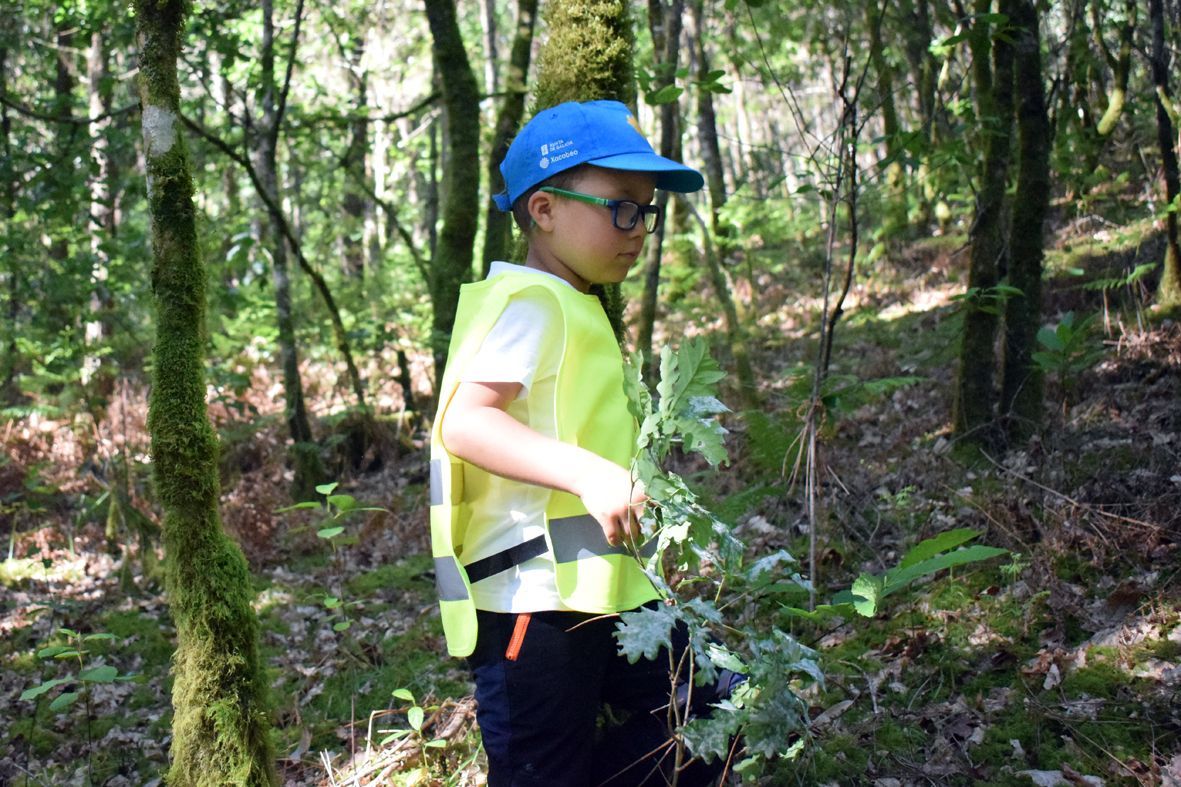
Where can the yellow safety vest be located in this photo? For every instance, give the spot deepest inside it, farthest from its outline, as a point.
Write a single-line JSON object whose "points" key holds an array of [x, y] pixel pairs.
{"points": [[590, 410]]}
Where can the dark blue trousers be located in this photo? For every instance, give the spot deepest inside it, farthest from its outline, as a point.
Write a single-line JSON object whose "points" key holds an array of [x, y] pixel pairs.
{"points": [[541, 682]]}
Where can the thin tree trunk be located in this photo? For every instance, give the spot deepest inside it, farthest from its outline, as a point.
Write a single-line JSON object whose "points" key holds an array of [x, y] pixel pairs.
{"points": [[715, 253], [1168, 293], [974, 410], [1021, 382], [355, 204], [1121, 67], [63, 104], [895, 219], [9, 371], [451, 264], [491, 52], [220, 724], [664, 22], [305, 454], [102, 214], [497, 225]]}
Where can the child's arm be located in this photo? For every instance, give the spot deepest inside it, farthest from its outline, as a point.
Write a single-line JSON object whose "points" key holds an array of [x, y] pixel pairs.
{"points": [[477, 429]]}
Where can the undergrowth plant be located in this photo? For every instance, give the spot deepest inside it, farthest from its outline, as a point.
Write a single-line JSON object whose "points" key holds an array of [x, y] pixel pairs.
{"points": [[701, 549], [335, 508], [1067, 350], [77, 650]]}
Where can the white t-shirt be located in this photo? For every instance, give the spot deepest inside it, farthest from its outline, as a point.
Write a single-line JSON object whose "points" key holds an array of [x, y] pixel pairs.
{"points": [[516, 350]]}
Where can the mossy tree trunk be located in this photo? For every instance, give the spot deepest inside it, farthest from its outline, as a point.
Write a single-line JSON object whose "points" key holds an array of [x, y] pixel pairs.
{"points": [[1169, 291], [451, 265], [497, 225], [975, 395], [220, 723], [1021, 381], [1121, 70], [588, 57]]}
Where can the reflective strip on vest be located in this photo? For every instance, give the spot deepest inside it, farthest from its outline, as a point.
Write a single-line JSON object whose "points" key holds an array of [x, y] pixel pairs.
{"points": [[436, 481], [448, 580], [578, 537]]}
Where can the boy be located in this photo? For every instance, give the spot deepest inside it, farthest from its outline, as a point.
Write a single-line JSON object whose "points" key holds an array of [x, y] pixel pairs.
{"points": [[533, 508]]}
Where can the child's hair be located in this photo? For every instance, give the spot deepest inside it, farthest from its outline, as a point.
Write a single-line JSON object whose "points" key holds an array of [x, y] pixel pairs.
{"points": [[566, 179]]}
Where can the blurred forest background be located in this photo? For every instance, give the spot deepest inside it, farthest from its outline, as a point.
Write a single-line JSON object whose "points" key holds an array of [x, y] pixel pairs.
{"points": [[936, 258]]}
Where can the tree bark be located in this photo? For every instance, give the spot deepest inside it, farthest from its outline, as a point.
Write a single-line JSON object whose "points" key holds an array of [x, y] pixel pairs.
{"points": [[451, 265], [102, 213], [497, 225], [587, 57], [1168, 292], [1022, 379], [974, 410], [9, 371], [220, 726], [1121, 68], [664, 23], [305, 454], [894, 215], [715, 253], [355, 204]]}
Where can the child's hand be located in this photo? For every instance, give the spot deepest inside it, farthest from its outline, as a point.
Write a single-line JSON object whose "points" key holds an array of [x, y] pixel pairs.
{"points": [[615, 500]]}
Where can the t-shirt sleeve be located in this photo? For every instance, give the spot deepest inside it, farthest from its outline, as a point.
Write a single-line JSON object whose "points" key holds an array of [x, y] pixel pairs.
{"points": [[520, 348]]}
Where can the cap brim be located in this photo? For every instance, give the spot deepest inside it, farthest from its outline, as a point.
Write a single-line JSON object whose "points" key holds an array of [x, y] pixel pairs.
{"points": [[668, 174]]}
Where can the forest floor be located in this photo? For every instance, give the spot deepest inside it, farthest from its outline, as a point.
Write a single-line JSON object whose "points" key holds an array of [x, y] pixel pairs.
{"points": [[1059, 664]]}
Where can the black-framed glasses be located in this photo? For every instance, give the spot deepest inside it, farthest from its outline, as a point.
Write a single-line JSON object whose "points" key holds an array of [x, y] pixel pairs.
{"points": [[624, 212]]}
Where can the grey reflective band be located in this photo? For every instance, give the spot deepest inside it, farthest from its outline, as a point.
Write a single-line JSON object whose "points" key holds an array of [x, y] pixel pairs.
{"points": [[578, 537], [436, 482], [448, 580]]}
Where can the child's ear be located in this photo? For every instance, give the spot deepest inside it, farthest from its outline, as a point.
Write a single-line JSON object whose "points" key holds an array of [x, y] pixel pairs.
{"points": [[541, 210]]}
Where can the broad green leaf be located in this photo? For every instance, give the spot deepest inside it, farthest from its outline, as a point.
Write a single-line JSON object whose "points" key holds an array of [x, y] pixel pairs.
{"points": [[437, 743], [63, 701], [69, 653], [898, 578], [414, 718], [404, 694], [103, 674], [38, 690], [330, 532], [1049, 339], [666, 95], [67, 632], [331, 602], [940, 543], [327, 489], [53, 650], [101, 635], [345, 503], [867, 593], [342, 625]]}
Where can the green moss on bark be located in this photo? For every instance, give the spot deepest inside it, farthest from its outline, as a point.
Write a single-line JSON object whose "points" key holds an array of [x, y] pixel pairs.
{"points": [[587, 57], [220, 725]]}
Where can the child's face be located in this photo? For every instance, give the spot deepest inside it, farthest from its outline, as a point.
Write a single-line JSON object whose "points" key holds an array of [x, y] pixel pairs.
{"points": [[578, 241]]}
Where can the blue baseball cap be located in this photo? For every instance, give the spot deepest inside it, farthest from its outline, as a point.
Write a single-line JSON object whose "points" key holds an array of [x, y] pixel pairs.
{"points": [[602, 133]]}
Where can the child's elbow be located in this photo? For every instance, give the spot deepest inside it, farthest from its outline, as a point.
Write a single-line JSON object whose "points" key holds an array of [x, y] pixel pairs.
{"points": [[451, 434]]}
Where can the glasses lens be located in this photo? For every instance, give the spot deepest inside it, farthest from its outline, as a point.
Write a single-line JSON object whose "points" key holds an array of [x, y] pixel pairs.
{"points": [[625, 215], [651, 217]]}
